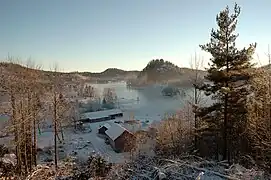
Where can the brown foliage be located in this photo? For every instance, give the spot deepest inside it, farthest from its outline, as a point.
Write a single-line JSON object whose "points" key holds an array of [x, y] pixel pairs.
{"points": [[258, 128], [174, 135]]}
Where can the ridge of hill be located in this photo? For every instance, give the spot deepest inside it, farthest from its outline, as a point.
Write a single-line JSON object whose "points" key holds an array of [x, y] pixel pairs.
{"points": [[156, 71], [14, 69], [164, 72], [112, 74]]}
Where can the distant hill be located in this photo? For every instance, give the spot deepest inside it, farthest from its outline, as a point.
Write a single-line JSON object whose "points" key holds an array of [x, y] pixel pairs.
{"points": [[112, 74], [13, 69], [164, 72], [159, 70]]}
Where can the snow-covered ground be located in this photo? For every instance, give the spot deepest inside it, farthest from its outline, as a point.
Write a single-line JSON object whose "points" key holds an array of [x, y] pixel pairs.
{"points": [[82, 144], [146, 105]]}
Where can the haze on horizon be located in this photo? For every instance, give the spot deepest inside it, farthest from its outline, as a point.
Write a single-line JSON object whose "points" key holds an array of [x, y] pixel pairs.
{"points": [[94, 35]]}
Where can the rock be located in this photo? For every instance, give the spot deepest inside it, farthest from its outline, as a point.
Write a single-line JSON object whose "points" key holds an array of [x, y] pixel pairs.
{"points": [[9, 159]]}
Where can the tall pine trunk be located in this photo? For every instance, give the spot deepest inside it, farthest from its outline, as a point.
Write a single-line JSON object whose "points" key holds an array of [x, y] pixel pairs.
{"points": [[226, 150], [226, 144]]}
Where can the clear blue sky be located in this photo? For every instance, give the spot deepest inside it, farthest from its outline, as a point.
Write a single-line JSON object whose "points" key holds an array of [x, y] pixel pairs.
{"points": [[92, 35]]}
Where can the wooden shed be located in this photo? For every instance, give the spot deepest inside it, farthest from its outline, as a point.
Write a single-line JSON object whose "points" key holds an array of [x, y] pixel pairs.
{"points": [[120, 139]]}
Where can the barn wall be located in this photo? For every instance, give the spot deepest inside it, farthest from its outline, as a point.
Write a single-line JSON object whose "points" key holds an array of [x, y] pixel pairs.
{"points": [[125, 142], [112, 143]]}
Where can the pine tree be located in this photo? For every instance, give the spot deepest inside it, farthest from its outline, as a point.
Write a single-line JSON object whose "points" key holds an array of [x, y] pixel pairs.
{"points": [[229, 75]]}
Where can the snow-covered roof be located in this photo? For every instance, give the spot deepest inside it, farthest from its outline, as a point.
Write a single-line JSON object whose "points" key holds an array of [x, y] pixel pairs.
{"points": [[106, 125], [115, 131], [100, 114]]}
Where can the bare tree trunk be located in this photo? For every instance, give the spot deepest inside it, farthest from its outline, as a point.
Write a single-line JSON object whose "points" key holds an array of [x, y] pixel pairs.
{"points": [[35, 138], [195, 118], [24, 138], [75, 125], [29, 128], [226, 150], [15, 124], [196, 63], [55, 128], [61, 130], [39, 128], [34, 124]]}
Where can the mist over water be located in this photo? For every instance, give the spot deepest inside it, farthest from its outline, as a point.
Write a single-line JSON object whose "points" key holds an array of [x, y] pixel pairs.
{"points": [[146, 103]]}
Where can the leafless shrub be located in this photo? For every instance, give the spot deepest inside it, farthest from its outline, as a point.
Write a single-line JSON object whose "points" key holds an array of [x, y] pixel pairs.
{"points": [[174, 135]]}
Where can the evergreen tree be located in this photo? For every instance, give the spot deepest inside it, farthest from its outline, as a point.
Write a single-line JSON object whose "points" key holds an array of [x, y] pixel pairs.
{"points": [[229, 75]]}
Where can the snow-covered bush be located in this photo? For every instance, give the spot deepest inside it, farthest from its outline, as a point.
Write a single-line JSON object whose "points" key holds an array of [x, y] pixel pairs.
{"points": [[98, 166]]}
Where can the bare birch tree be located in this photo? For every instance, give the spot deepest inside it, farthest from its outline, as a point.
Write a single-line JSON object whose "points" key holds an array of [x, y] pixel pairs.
{"points": [[59, 105], [196, 79]]}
